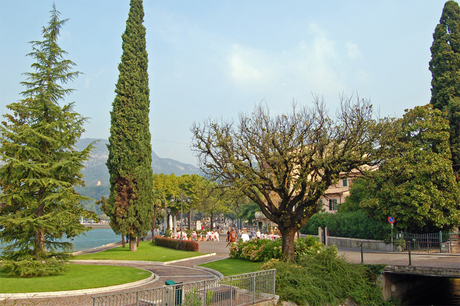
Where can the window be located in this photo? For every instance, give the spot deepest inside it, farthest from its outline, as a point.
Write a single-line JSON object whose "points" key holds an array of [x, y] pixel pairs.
{"points": [[344, 182], [333, 204]]}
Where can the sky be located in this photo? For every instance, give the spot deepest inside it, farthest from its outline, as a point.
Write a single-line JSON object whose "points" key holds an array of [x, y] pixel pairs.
{"points": [[220, 58]]}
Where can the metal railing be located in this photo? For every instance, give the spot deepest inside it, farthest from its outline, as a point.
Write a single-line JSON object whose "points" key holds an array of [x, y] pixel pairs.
{"points": [[242, 289], [441, 242]]}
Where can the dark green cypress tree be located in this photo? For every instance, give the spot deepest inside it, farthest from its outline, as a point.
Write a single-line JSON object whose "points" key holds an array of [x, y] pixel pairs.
{"points": [[445, 69], [38, 202], [130, 153]]}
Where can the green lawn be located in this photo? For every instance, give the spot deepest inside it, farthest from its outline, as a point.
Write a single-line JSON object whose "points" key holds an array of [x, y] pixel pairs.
{"points": [[147, 251], [95, 276], [78, 277], [234, 266]]}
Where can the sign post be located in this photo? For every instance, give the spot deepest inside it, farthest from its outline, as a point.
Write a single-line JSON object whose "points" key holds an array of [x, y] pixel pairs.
{"points": [[391, 220]]}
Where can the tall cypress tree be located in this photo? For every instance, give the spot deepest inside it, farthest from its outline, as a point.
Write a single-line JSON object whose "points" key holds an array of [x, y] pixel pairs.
{"points": [[38, 202], [445, 69], [130, 151]]}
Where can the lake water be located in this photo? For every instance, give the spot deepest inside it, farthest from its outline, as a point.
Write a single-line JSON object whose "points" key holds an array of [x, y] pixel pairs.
{"points": [[93, 238]]}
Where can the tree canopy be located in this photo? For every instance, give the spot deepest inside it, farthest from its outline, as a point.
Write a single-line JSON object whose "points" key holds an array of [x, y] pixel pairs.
{"points": [[285, 163], [445, 70], [416, 184], [42, 166], [129, 205]]}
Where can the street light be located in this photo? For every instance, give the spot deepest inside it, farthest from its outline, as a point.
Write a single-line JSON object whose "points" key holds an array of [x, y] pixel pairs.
{"points": [[182, 198]]}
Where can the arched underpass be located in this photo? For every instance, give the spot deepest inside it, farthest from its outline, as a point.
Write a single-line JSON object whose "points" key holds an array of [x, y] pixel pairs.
{"points": [[421, 285]]}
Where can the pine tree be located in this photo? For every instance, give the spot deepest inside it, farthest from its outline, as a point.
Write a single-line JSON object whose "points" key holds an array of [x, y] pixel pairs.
{"points": [[130, 161], [445, 69], [38, 204]]}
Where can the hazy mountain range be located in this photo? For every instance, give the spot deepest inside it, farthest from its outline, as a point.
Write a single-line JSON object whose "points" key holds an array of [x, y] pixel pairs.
{"points": [[96, 170]]}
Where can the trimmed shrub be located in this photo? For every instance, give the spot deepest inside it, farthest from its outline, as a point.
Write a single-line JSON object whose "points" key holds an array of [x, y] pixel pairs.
{"points": [[265, 249], [354, 224], [186, 245]]}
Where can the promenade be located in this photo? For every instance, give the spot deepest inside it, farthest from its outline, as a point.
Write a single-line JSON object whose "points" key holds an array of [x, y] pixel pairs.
{"points": [[187, 271]]}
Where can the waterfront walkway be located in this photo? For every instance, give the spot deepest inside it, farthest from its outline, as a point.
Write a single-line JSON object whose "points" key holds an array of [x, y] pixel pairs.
{"points": [[187, 271]]}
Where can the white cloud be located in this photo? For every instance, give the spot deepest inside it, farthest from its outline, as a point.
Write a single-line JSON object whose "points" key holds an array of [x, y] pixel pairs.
{"points": [[353, 50], [312, 66], [88, 80], [363, 76], [249, 67]]}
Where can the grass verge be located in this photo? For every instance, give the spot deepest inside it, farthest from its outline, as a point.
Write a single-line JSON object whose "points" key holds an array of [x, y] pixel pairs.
{"points": [[234, 266], [78, 277], [147, 251]]}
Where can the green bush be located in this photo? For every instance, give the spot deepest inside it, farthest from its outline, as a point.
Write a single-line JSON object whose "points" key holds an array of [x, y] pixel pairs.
{"points": [[354, 224], [265, 249], [34, 268], [186, 245], [325, 278]]}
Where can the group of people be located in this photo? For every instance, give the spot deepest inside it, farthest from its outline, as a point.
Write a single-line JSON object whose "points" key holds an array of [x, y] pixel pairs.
{"points": [[232, 235]]}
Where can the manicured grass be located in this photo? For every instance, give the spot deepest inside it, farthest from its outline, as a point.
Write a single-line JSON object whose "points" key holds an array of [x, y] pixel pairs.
{"points": [[78, 277], [147, 251], [234, 266]]}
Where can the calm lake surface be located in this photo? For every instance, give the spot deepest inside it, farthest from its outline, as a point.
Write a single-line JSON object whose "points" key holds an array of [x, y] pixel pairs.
{"points": [[92, 239]]}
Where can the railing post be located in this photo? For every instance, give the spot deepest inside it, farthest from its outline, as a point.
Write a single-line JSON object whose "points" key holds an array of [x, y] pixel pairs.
{"points": [[137, 298], [440, 242], [205, 293], [361, 246], [254, 288], [274, 280], [231, 291], [410, 260]]}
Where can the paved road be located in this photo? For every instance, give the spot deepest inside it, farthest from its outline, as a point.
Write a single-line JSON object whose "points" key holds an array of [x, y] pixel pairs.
{"points": [[185, 271]]}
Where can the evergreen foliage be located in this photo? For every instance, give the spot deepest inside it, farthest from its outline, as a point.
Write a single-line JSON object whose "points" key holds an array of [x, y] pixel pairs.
{"points": [[324, 278], [416, 185], [38, 204], [445, 69], [355, 224], [129, 205]]}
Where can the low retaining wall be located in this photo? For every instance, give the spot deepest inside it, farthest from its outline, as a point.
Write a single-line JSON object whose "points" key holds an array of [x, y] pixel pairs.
{"points": [[373, 245]]}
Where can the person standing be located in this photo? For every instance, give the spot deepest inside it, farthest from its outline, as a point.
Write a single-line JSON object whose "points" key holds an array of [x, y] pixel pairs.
{"points": [[231, 236]]}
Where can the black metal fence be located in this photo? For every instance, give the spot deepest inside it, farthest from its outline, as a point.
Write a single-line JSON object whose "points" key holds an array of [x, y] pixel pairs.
{"points": [[440, 242], [242, 289]]}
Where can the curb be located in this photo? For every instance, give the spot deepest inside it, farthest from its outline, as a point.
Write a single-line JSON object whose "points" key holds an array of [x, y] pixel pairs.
{"points": [[190, 258], [212, 271]]}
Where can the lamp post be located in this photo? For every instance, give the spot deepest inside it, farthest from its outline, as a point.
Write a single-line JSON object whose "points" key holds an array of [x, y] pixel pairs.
{"points": [[182, 198]]}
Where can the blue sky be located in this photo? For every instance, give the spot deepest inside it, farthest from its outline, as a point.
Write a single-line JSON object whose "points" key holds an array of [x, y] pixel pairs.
{"points": [[219, 58]]}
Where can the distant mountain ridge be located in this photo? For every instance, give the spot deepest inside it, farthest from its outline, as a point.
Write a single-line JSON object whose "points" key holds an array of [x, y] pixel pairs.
{"points": [[96, 170]]}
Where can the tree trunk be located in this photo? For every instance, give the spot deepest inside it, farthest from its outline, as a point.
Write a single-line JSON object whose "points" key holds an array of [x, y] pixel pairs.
{"points": [[132, 244], [189, 217], [154, 221], [287, 236], [212, 221], [123, 242], [39, 246]]}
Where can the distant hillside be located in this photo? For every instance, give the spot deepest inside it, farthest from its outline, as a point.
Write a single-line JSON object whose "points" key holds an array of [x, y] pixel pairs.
{"points": [[96, 170]]}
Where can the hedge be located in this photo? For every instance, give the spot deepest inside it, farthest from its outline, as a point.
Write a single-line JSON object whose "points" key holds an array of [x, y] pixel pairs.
{"points": [[186, 245]]}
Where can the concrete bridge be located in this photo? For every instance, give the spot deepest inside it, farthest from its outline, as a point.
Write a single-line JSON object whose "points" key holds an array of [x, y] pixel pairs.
{"points": [[404, 276], [424, 271]]}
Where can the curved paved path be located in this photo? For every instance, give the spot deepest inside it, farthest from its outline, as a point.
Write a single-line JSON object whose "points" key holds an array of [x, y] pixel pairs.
{"points": [[179, 271]]}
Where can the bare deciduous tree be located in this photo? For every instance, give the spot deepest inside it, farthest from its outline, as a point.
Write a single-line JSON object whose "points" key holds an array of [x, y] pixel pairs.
{"points": [[285, 163]]}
